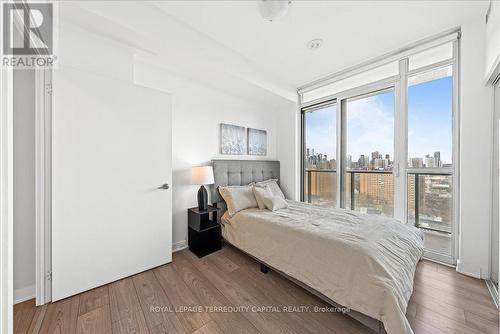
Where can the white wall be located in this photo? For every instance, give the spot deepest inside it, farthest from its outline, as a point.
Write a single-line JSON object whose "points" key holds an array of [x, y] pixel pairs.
{"points": [[476, 139], [493, 39], [288, 149], [197, 112], [24, 185]]}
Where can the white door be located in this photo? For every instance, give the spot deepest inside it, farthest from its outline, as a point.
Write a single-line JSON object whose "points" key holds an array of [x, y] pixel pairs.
{"points": [[111, 150]]}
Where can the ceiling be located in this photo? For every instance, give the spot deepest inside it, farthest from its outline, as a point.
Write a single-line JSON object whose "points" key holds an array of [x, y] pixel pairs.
{"points": [[229, 46], [353, 31]]}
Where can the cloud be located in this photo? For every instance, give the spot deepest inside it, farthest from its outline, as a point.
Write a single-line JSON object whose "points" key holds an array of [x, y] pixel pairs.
{"points": [[370, 127]]}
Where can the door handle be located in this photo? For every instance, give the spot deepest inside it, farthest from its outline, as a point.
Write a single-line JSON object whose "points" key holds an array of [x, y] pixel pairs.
{"points": [[164, 186]]}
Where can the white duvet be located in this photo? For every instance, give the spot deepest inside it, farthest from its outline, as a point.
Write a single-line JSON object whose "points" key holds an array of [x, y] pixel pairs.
{"points": [[363, 262]]}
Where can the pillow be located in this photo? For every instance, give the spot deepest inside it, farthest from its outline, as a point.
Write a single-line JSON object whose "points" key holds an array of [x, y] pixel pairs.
{"points": [[274, 203], [261, 192], [238, 198], [273, 185]]}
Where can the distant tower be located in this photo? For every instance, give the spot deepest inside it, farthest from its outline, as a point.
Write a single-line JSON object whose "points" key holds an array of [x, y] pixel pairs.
{"points": [[416, 163], [430, 162], [362, 161], [437, 159]]}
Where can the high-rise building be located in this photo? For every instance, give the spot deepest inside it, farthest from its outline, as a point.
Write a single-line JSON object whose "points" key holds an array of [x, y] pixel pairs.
{"points": [[437, 159], [377, 188], [376, 155], [416, 163], [380, 163], [430, 162], [362, 161]]}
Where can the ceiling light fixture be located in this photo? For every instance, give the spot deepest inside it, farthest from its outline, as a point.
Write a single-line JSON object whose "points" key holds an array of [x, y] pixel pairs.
{"points": [[272, 10], [314, 44]]}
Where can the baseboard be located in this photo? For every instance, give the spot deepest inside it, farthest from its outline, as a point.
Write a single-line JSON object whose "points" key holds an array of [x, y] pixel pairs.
{"points": [[439, 258], [24, 294], [178, 246], [469, 270]]}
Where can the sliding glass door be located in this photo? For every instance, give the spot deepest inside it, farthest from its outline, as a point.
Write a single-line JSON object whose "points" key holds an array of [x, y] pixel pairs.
{"points": [[389, 145], [369, 153], [320, 154]]}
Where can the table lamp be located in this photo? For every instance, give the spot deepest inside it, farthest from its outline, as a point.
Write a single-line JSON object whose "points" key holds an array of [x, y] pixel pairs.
{"points": [[202, 175]]}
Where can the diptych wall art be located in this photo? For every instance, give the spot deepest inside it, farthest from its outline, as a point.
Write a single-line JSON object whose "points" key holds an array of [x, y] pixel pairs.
{"points": [[237, 140]]}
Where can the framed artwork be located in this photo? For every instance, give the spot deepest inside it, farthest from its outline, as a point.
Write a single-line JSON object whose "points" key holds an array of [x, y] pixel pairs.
{"points": [[257, 142], [233, 139]]}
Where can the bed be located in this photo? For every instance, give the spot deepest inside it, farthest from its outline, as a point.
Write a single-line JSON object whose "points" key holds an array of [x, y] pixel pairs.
{"points": [[359, 262]]}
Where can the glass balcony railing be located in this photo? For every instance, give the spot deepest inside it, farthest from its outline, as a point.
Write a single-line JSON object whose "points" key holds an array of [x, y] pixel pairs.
{"points": [[369, 191], [430, 201], [320, 187], [429, 194]]}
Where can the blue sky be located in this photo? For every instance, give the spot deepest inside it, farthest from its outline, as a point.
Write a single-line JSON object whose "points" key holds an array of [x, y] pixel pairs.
{"points": [[370, 123]]}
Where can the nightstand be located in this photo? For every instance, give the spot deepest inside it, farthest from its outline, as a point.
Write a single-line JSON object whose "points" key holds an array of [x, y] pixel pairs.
{"points": [[204, 233]]}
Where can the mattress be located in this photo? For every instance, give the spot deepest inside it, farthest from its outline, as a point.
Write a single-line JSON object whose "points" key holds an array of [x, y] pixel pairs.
{"points": [[364, 262]]}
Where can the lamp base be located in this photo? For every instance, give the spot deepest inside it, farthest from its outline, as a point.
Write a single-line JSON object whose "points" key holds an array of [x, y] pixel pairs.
{"points": [[202, 199]]}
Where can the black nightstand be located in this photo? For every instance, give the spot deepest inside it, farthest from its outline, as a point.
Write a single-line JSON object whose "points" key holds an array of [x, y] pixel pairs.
{"points": [[204, 233]]}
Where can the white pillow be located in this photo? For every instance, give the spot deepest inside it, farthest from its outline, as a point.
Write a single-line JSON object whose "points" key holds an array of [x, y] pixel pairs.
{"points": [[238, 198], [273, 185], [274, 203], [261, 192]]}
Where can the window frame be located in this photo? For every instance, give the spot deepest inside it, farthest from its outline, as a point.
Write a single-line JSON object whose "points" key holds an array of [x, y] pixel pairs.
{"points": [[399, 83]]}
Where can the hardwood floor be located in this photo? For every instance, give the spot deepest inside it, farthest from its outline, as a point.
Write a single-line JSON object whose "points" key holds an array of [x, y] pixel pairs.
{"points": [[443, 302]]}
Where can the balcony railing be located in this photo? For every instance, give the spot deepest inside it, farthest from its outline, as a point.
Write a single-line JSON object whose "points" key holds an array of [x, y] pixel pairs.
{"points": [[429, 194]]}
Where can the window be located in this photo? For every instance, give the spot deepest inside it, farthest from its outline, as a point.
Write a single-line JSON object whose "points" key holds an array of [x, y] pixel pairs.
{"points": [[320, 141], [369, 159], [430, 153], [430, 119], [388, 144]]}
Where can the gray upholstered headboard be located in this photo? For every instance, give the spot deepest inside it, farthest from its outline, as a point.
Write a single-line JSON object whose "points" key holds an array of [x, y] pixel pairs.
{"points": [[241, 172]]}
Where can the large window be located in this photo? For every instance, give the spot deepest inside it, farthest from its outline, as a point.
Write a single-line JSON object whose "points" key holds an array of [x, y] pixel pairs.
{"points": [[430, 149], [320, 140], [369, 153], [386, 143]]}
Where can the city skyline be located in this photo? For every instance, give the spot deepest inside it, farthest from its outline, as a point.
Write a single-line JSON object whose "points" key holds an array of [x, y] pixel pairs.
{"points": [[370, 123], [375, 160]]}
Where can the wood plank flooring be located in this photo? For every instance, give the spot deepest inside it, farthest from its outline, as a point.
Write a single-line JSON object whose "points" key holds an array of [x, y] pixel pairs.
{"points": [[193, 295]]}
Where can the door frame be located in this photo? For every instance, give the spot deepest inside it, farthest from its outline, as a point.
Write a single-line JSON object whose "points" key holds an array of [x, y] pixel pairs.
{"points": [[494, 80], [43, 189], [6, 200]]}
